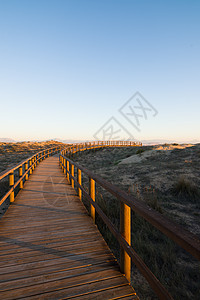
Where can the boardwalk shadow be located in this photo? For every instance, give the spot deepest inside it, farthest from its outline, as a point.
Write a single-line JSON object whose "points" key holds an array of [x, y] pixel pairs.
{"points": [[52, 209], [58, 253]]}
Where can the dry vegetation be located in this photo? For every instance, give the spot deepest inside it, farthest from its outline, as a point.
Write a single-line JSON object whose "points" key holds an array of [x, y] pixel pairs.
{"points": [[13, 153], [167, 179]]}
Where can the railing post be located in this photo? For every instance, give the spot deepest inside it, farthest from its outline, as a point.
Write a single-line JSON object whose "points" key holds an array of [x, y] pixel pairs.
{"points": [[92, 195], [26, 168], [61, 162], [20, 175], [64, 162], [125, 230], [11, 184], [68, 171], [72, 173], [33, 166], [80, 182], [30, 164]]}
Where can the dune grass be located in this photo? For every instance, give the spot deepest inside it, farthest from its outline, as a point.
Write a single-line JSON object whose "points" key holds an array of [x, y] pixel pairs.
{"points": [[174, 195]]}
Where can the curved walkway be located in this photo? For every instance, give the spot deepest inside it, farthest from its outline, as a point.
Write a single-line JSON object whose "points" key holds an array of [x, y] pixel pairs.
{"points": [[50, 248]]}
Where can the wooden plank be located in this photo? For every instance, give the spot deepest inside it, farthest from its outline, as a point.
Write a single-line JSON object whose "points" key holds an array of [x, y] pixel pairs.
{"points": [[69, 287], [110, 294], [48, 252], [54, 243], [78, 275], [58, 267], [77, 254]]}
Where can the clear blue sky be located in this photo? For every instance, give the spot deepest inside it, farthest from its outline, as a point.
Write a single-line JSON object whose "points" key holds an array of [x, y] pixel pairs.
{"points": [[66, 67]]}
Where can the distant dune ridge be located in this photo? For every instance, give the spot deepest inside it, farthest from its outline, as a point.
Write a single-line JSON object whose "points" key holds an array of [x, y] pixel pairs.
{"points": [[6, 140], [70, 141]]}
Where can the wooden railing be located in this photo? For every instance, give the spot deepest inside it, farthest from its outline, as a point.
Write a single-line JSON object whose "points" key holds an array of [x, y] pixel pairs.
{"points": [[182, 237], [73, 148], [25, 169]]}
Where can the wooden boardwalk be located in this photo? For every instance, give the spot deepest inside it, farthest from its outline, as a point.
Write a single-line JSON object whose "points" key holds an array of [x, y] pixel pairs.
{"points": [[50, 248]]}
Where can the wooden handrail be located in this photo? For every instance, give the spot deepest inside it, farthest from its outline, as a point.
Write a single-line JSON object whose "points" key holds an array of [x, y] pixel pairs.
{"points": [[79, 147], [182, 237], [6, 172], [29, 164]]}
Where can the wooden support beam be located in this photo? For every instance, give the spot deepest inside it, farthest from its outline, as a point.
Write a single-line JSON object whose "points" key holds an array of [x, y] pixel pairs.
{"points": [[92, 195], [26, 168], [68, 171], [33, 164], [30, 164], [64, 168], [125, 230], [72, 173], [80, 182], [20, 175], [11, 183]]}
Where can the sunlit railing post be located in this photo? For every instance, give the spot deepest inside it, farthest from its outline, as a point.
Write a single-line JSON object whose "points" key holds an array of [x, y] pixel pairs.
{"points": [[92, 195], [20, 175], [68, 178], [32, 164], [80, 182], [72, 173], [64, 163], [125, 230], [11, 184], [61, 162], [26, 168]]}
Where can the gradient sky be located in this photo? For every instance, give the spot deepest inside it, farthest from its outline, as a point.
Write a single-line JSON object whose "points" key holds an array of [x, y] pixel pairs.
{"points": [[66, 67]]}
